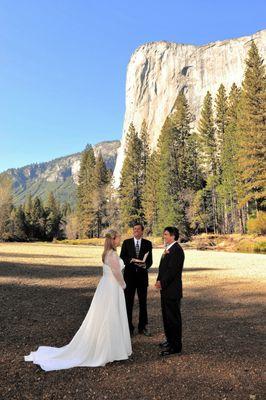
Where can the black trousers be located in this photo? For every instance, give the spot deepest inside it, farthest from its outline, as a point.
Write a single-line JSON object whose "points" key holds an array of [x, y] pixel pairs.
{"points": [[142, 296], [172, 321]]}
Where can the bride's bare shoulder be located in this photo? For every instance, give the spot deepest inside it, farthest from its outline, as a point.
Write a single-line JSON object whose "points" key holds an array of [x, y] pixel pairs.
{"points": [[111, 254]]}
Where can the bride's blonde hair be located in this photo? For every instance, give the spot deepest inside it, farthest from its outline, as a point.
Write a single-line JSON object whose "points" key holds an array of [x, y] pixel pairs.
{"points": [[109, 242]]}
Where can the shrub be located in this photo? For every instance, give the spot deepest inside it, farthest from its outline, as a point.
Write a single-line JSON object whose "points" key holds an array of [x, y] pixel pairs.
{"points": [[260, 247], [257, 225]]}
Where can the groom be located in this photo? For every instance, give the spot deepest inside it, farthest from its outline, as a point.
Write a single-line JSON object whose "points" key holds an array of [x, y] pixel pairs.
{"points": [[169, 281], [136, 276]]}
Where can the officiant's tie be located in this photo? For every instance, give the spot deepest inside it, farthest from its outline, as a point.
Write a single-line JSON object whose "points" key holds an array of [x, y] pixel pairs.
{"points": [[137, 249]]}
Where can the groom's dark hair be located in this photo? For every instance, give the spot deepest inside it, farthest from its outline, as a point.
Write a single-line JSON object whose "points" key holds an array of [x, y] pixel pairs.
{"points": [[173, 231]]}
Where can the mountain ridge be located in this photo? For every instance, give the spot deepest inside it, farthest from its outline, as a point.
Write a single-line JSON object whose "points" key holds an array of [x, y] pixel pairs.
{"points": [[59, 175]]}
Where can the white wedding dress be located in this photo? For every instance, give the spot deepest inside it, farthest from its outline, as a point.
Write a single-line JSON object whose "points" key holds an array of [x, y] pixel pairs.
{"points": [[104, 333]]}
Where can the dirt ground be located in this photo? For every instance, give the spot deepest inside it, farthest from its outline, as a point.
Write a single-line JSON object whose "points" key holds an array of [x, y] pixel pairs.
{"points": [[46, 290]]}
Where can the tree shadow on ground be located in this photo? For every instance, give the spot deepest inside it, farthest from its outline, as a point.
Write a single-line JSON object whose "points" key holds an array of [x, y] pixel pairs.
{"points": [[32, 256], [222, 338], [42, 255], [34, 270], [31, 271], [196, 269], [27, 255]]}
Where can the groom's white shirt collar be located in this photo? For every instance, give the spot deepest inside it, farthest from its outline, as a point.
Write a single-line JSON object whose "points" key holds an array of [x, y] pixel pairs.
{"points": [[139, 241], [170, 245]]}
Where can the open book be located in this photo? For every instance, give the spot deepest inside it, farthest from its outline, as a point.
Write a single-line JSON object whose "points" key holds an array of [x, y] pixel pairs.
{"points": [[138, 261]]}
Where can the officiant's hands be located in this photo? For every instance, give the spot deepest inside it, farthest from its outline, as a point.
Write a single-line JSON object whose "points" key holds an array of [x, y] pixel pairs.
{"points": [[138, 262]]}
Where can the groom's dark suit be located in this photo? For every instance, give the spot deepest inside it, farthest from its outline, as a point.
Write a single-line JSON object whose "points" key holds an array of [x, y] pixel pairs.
{"points": [[136, 278], [170, 277]]}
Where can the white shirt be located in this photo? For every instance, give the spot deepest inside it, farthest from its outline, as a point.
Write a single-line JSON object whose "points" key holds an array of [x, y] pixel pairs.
{"points": [[137, 240], [170, 245]]}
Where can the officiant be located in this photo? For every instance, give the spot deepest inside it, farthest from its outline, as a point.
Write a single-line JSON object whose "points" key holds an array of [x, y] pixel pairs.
{"points": [[133, 253]]}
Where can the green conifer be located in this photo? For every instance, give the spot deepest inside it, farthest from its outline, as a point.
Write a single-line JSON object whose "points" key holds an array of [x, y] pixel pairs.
{"points": [[102, 178], [86, 194], [207, 140], [221, 121], [252, 132], [131, 183], [150, 195]]}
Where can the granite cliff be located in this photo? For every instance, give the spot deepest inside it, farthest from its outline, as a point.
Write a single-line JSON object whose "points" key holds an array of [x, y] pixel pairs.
{"points": [[158, 71]]}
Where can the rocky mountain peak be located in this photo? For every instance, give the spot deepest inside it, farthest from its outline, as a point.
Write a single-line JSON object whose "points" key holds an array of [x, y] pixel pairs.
{"points": [[158, 71]]}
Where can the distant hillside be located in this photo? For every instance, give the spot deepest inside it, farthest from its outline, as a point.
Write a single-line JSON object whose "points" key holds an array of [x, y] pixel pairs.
{"points": [[59, 175]]}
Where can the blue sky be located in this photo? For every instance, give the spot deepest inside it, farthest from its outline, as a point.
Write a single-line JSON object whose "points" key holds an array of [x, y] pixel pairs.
{"points": [[63, 64]]}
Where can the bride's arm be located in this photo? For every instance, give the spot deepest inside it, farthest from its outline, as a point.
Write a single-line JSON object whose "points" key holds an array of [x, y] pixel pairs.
{"points": [[114, 263]]}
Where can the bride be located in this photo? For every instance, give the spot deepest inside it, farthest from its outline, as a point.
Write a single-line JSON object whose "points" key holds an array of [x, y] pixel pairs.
{"points": [[104, 334]]}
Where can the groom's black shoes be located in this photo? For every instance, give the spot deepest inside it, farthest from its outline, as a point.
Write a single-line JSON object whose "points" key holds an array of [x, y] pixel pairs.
{"points": [[144, 332], [164, 345], [169, 351]]}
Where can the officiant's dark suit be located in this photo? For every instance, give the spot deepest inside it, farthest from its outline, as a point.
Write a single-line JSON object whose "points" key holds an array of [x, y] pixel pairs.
{"points": [[136, 278], [170, 277]]}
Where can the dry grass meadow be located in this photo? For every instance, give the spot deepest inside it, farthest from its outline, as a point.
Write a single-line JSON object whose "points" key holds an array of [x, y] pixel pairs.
{"points": [[46, 290]]}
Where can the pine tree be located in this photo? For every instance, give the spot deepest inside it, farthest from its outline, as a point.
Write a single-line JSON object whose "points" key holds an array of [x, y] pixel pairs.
{"points": [[180, 132], [19, 224], [145, 153], [193, 170], [28, 210], [86, 194], [178, 169], [252, 132], [38, 218], [208, 146], [166, 192], [185, 148], [221, 121], [131, 184], [51, 203], [102, 179], [113, 216], [66, 209], [71, 226], [207, 140], [229, 163], [5, 207], [54, 219], [150, 195], [200, 211]]}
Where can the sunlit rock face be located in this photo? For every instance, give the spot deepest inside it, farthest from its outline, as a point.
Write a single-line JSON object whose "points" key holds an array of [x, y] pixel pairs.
{"points": [[158, 71]]}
